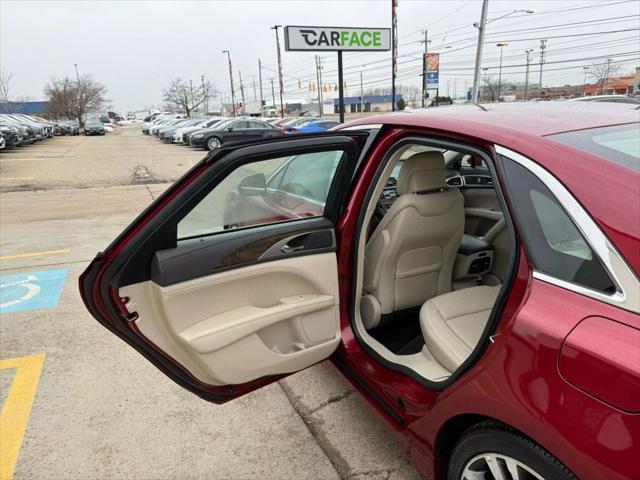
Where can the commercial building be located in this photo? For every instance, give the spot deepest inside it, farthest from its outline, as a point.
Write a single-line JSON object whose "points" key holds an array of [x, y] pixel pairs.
{"points": [[30, 108], [368, 103]]}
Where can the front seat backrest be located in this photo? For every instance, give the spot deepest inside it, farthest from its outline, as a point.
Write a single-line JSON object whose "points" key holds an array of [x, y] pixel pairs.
{"points": [[409, 258]]}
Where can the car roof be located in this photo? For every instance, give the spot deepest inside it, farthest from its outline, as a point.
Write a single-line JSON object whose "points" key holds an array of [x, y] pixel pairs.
{"points": [[495, 121]]}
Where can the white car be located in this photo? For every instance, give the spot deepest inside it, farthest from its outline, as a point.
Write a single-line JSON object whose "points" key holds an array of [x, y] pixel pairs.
{"points": [[178, 135], [608, 98]]}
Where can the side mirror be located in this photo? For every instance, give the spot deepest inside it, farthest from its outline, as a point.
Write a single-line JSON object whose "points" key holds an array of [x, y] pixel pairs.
{"points": [[253, 185], [229, 129]]}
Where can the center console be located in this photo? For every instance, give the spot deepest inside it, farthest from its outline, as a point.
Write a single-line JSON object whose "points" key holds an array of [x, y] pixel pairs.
{"points": [[474, 259]]}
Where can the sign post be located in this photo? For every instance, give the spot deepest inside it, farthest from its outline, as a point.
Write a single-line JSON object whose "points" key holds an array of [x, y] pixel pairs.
{"points": [[432, 61], [337, 39]]}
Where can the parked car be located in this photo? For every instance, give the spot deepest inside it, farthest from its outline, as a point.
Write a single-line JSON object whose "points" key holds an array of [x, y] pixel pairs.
{"points": [[94, 126], [31, 131], [161, 120], [166, 133], [280, 121], [2, 142], [10, 135], [27, 133], [69, 127], [180, 134], [233, 131], [608, 99], [41, 123], [155, 129], [317, 126], [290, 126], [473, 273]]}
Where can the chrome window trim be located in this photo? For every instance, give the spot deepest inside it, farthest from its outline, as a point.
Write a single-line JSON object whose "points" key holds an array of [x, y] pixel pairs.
{"points": [[368, 126], [627, 295]]}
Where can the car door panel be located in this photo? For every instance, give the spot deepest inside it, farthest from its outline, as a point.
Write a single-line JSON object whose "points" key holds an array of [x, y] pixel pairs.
{"points": [[230, 311], [241, 324]]}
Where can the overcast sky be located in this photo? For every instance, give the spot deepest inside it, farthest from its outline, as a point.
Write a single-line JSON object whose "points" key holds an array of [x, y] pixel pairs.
{"points": [[136, 47]]}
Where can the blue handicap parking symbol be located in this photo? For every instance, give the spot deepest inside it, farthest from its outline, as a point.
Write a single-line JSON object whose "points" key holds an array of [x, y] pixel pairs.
{"points": [[31, 290]]}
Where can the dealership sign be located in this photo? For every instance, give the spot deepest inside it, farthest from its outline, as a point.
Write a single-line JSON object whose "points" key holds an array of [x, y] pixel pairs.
{"points": [[346, 39]]}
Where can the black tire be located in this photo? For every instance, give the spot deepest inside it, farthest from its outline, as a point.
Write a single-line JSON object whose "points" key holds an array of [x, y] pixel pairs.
{"points": [[496, 437]]}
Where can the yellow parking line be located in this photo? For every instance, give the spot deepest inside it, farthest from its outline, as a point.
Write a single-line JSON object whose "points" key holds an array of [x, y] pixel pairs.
{"points": [[33, 254], [17, 408]]}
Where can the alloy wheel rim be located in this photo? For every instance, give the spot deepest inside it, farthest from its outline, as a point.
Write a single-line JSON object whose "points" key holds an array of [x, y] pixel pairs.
{"points": [[497, 466], [214, 143]]}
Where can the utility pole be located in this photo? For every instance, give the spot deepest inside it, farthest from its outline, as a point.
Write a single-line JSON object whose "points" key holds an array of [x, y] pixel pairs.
{"points": [[526, 75], [275, 27], [321, 90], [584, 81], [242, 92], [75, 65], [501, 46], [394, 54], [205, 94], [273, 95], [606, 78], [319, 85], [233, 95], [424, 68], [255, 93], [361, 93], [543, 47], [260, 81], [340, 88], [476, 72]]}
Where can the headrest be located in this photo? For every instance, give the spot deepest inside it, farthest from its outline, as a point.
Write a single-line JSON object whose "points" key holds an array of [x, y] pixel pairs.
{"points": [[422, 171]]}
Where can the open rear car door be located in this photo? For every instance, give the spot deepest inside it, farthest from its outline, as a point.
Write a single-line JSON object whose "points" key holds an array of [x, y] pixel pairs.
{"points": [[228, 281]]}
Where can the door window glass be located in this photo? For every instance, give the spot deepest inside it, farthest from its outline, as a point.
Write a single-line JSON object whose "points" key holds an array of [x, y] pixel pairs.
{"points": [[555, 244], [269, 191]]}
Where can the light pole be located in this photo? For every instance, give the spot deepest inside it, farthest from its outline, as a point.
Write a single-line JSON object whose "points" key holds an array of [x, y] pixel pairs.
{"points": [[275, 27], [233, 95], [260, 80], [361, 93], [481, 26], [501, 46], [584, 81], [425, 67], [79, 99], [526, 75]]}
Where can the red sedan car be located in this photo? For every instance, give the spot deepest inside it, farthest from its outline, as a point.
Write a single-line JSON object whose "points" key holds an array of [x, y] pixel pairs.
{"points": [[472, 270]]}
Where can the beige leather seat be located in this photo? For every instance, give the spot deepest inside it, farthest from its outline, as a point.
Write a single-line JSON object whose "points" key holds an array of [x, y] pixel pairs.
{"points": [[409, 258], [453, 323]]}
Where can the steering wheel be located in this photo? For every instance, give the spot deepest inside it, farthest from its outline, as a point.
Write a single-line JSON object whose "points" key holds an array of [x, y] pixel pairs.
{"points": [[297, 189]]}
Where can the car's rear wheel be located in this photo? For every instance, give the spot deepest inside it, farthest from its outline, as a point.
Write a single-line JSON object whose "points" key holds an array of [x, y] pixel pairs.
{"points": [[213, 143], [492, 450]]}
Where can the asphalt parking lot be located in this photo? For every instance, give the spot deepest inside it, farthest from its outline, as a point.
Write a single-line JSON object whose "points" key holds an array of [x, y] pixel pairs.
{"points": [[77, 403]]}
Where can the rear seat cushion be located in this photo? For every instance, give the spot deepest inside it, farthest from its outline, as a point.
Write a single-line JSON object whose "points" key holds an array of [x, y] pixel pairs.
{"points": [[453, 323]]}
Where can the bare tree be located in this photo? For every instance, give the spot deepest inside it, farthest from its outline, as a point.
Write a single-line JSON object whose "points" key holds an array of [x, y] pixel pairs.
{"points": [[5, 87], [75, 98], [489, 88], [185, 96], [601, 72]]}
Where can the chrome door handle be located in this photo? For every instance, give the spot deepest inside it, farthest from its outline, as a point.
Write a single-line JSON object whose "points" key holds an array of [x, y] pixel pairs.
{"points": [[289, 249]]}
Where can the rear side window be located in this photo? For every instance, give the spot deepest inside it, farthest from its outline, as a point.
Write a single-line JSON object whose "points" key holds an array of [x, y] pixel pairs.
{"points": [[268, 191], [555, 244], [619, 144]]}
